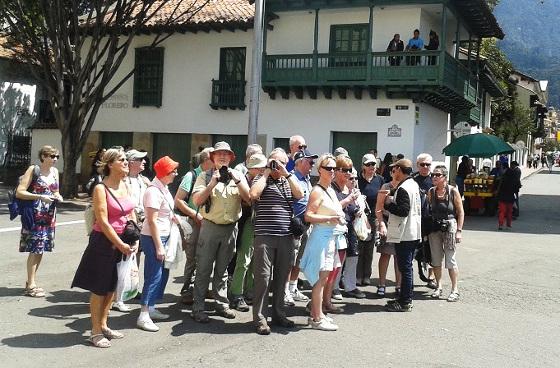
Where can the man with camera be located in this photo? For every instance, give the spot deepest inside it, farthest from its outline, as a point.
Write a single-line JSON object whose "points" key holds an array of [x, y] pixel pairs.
{"points": [[185, 204], [403, 228], [218, 192], [273, 194]]}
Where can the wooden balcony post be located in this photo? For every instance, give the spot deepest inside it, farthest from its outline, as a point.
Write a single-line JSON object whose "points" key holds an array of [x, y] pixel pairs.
{"points": [[315, 45], [370, 47], [443, 43]]}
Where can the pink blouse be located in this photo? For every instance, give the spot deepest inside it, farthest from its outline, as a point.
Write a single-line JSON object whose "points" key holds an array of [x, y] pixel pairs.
{"points": [[114, 213]]}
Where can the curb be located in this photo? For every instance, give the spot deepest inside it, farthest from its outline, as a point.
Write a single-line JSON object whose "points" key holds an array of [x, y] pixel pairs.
{"points": [[533, 173]]}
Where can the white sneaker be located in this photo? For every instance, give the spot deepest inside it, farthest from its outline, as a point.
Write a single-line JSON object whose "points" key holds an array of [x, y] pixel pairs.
{"points": [[147, 325], [323, 325], [120, 306], [157, 315], [288, 300], [298, 296]]}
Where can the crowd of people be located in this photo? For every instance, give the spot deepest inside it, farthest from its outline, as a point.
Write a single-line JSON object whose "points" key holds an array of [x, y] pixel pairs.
{"points": [[416, 43], [253, 230]]}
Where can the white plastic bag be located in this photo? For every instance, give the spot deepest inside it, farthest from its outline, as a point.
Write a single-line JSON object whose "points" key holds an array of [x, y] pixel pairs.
{"points": [[128, 279], [361, 227], [89, 218], [173, 253]]}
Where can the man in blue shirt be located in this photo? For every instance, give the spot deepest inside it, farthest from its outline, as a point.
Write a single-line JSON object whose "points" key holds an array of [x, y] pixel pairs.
{"points": [[297, 143], [414, 44], [304, 161]]}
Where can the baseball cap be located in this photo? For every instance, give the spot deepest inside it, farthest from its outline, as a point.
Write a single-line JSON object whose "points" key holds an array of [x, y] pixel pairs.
{"points": [[368, 157], [256, 161], [135, 154], [304, 153], [340, 151]]}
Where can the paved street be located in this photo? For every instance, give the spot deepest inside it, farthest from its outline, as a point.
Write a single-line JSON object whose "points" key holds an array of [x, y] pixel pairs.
{"points": [[508, 316]]}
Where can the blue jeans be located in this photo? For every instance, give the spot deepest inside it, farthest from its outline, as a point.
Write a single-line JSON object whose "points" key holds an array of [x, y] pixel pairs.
{"points": [[405, 256], [155, 275]]}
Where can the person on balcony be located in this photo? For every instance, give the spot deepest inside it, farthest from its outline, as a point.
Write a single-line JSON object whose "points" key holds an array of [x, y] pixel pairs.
{"points": [[395, 45], [414, 44], [432, 46]]}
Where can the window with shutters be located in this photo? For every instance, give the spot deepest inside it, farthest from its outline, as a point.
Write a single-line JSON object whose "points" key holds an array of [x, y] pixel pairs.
{"points": [[148, 76], [346, 40], [229, 90]]}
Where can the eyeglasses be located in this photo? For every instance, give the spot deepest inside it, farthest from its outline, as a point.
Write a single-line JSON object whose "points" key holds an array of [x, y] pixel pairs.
{"points": [[368, 164], [353, 179], [425, 164], [122, 159], [346, 170], [329, 168], [54, 156], [302, 146], [174, 172], [437, 175]]}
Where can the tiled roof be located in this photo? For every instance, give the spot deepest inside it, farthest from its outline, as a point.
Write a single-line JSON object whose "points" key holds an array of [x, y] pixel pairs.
{"points": [[4, 52], [213, 14]]}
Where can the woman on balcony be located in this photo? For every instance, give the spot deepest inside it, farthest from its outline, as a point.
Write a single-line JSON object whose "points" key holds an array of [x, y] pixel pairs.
{"points": [[432, 46]]}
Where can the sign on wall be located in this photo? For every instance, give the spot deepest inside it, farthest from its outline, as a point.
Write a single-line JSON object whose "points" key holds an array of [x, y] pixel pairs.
{"points": [[394, 131]]}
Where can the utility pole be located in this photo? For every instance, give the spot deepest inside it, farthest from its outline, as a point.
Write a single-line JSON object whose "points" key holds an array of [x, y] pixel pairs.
{"points": [[256, 70]]}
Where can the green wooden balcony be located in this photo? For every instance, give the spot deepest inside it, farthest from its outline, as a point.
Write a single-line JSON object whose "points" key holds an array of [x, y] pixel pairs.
{"points": [[433, 76], [228, 94]]}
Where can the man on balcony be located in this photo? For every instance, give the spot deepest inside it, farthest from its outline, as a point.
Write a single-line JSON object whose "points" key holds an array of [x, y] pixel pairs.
{"points": [[395, 45], [414, 44]]}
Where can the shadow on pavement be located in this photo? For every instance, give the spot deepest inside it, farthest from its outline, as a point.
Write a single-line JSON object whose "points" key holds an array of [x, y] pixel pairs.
{"points": [[5, 291], [45, 340]]}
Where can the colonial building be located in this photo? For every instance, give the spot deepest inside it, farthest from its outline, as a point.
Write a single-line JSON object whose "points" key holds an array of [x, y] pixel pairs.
{"points": [[326, 74]]}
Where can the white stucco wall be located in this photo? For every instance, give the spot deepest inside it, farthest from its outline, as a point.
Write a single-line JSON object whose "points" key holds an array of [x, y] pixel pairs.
{"points": [[51, 137], [431, 133]]}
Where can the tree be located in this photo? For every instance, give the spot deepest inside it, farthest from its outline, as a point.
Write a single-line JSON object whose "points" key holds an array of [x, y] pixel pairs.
{"points": [[77, 47], [521, 123]]}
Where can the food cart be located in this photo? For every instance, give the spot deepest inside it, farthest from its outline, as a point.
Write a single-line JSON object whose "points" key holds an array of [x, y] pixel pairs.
{"points": [[480, 194]]}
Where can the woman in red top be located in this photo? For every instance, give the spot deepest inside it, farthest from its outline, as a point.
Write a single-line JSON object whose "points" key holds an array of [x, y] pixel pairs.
{"points": [[97, 271]]}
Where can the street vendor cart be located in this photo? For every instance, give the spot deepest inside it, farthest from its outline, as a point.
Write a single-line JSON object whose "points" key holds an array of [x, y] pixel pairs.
{"points": [[480, 194]]}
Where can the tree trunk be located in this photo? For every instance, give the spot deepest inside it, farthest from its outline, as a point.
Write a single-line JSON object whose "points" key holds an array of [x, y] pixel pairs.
{"points": [[70, 153]]}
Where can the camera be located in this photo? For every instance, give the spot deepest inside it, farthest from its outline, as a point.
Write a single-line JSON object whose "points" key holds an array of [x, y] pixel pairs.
{"points": [[273, 165], [441, 225], [225, 176]]}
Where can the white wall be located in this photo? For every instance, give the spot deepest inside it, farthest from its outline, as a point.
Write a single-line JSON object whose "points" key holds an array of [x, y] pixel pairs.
{"points": [[431, 134], [51, 137]]}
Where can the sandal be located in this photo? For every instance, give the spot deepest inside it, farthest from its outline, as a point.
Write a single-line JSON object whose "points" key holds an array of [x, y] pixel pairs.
{"points": [[453, 297], [329, 308], [437, 294], [35, 292], [111, 334], [381, 290], [99, 341]]}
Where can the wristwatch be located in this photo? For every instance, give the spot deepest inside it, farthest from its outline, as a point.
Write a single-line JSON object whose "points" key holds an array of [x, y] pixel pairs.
{"points": [[289, 175]]}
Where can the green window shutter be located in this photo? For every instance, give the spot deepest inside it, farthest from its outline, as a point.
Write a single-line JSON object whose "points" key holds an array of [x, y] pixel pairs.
{"points": [[357, 144], [148, 76], [347, 38], [232, 63]]}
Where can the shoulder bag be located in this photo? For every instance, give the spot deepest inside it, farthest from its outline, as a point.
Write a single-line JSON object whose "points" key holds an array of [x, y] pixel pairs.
{"points": [[131, 233]]}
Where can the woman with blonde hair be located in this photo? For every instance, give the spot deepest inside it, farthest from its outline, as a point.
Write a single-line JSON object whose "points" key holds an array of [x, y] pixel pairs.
{"points": [[97, 272], [38, 190], [320, 257]]}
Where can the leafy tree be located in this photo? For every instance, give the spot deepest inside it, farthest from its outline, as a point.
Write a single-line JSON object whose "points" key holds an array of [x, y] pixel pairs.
{"points": [[520, 124], [78, 46]]}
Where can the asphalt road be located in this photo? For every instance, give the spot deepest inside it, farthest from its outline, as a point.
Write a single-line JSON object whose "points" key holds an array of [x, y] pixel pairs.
{"points": [[508, 315]]}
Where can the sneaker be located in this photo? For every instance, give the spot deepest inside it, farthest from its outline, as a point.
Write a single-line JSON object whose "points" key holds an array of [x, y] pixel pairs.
{"points": [[298, 296], [288, 300], [240, 304], [187, 297], [147, 325], [336, 294], [226, 313], [356, 293], [398, 307], [366, 282], [157, 315], [453, 297], [120, 306], [262, 328], [323, 325]]}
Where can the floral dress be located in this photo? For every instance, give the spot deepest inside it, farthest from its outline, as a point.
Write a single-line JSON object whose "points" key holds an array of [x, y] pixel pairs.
{"points": [[40, 237]]}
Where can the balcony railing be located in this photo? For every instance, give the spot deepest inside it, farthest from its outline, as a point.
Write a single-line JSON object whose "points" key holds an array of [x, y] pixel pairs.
{"points": [[228, 94], [379, 69]]}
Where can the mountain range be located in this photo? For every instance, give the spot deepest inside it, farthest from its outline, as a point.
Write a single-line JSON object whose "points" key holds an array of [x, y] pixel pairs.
{"points": [[532, 39]]}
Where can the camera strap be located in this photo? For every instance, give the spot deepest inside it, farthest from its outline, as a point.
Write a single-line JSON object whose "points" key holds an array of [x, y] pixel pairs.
{"points": [[285, 198]]}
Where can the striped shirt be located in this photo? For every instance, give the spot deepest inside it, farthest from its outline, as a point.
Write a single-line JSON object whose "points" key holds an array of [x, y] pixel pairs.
{"points": [[272, 210]]}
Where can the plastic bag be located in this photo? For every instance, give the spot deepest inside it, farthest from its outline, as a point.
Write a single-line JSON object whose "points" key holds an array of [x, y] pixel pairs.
{"points": [[128, 279], [361, 227], [173, 253], [89, 218]]}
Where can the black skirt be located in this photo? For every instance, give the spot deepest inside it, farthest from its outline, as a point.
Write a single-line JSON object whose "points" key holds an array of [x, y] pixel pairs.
{"points": [[97, 271]]}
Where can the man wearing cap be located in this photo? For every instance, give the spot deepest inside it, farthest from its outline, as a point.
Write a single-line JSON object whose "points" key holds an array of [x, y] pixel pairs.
{"points": [[219, 193], [251, 150], [242, 279], [137, 184], [297, 143], [369, 183], [403, 229], [340, 151], [304, 162], [273, 194], [184, 203]]}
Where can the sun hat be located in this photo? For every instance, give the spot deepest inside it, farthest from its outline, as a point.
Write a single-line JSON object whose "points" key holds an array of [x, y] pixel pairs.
{"points": [[222, 146], [256, 161], [164, 166]]}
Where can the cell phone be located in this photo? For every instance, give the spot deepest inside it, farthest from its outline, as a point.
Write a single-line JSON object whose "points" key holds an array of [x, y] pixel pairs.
{"points": [[273, 165]]}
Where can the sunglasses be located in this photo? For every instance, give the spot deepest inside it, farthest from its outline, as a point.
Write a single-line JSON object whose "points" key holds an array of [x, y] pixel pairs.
{"points": [[302, 146], [346, 170], [122, 159], [54, 156], [437, 175], [353, 179], [329, 168], [425, 164], [369, 164]]}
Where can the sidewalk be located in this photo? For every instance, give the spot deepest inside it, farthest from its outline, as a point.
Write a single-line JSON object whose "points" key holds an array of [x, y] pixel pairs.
{"points": [[526, 172], [77, 203]]}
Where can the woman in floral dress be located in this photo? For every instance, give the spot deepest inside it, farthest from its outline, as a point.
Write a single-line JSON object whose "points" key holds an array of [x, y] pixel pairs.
{"points": [[38, 192]]}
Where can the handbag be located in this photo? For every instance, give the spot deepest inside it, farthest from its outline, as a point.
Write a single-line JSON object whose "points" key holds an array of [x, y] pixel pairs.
{"points": [[297, 226], [131, 233]]}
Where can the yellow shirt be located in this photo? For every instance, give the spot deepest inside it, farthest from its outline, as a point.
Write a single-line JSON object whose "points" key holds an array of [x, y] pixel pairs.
{"points": [[225, 201]]}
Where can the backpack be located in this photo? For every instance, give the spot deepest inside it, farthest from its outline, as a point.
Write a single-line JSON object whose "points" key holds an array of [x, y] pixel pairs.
{"points": [[14, 203]]}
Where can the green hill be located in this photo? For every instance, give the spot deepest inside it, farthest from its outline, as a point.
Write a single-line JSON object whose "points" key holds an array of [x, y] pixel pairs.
{"points": [[532, 39]]}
